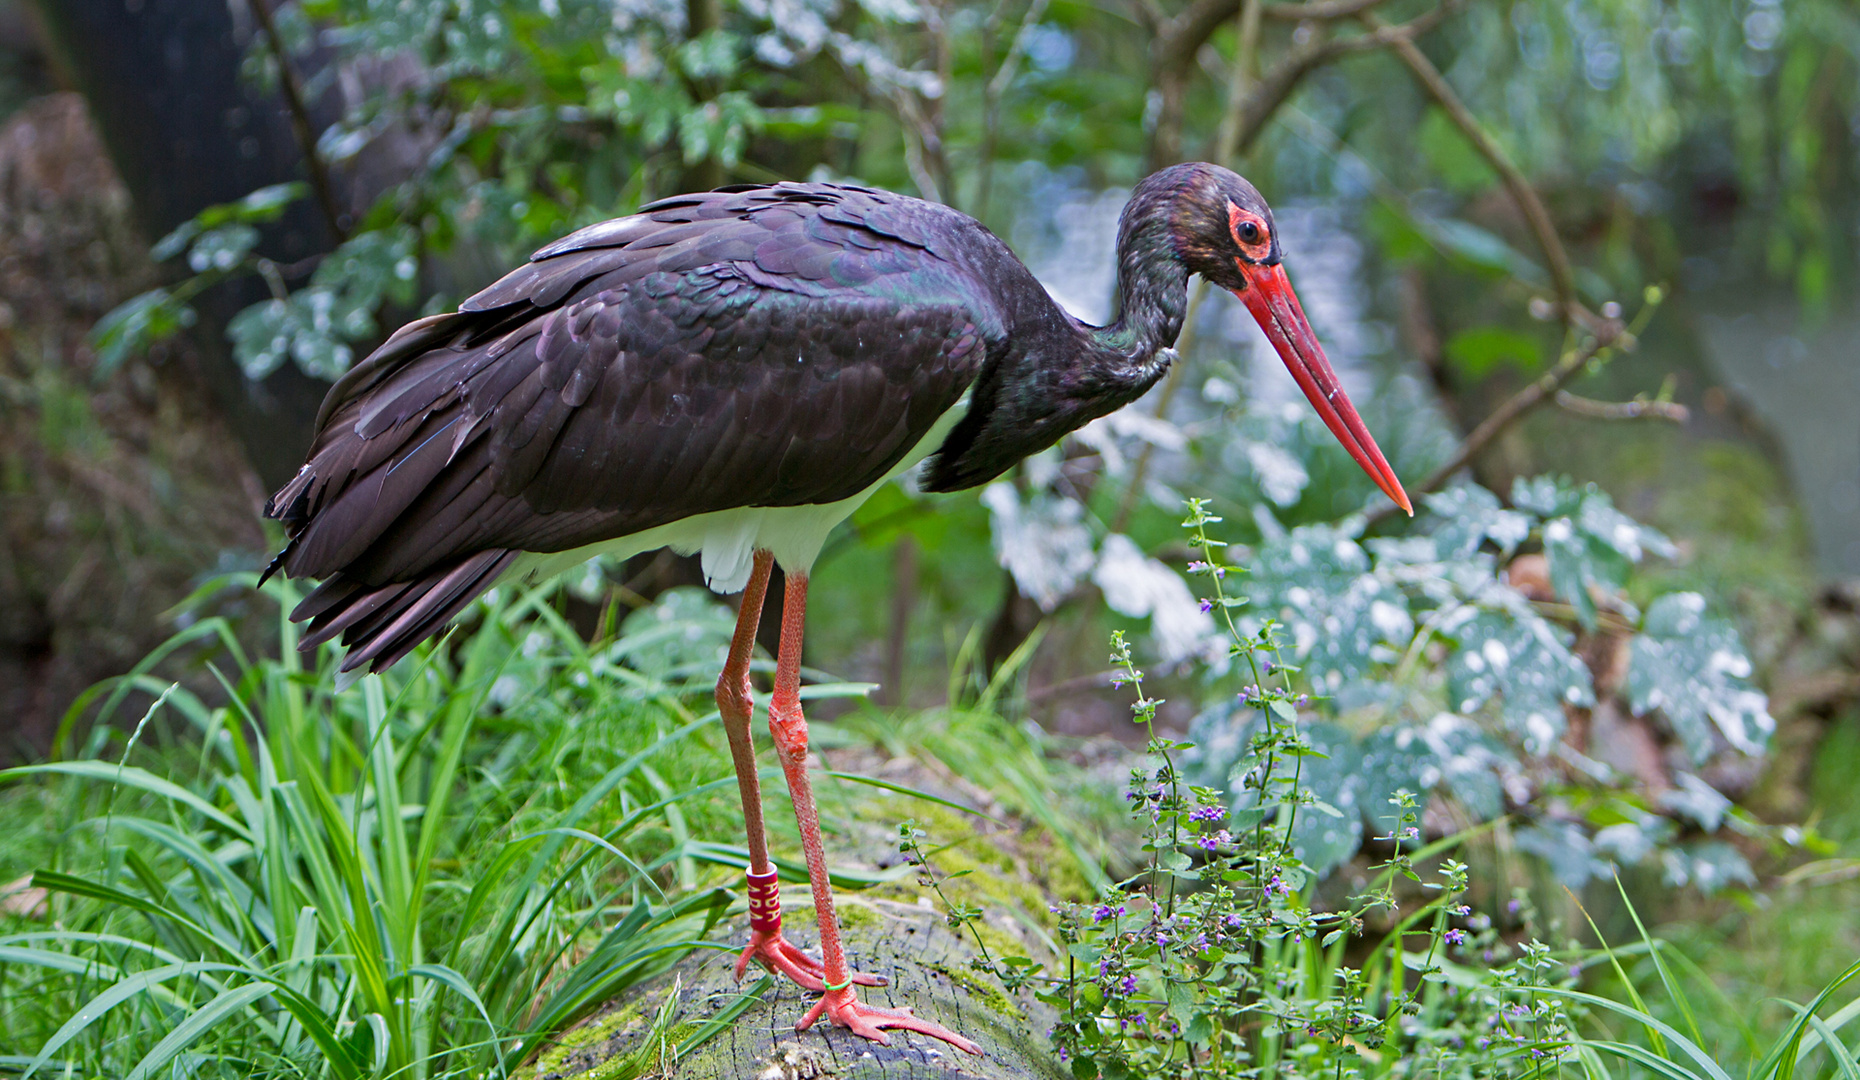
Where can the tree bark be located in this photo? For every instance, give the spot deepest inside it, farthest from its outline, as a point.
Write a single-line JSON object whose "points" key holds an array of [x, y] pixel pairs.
{"points": [[928, 969]]}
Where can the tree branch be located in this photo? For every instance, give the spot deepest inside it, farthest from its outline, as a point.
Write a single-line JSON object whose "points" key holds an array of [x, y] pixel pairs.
{"points": [[1172, 54], [1277, 85], [1318, 10], [1610, 333], [300, 121], [1638, 409], [1538, 218]]}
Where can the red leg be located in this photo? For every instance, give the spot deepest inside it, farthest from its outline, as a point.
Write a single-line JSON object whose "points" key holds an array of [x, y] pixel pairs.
{"points": [[839, 1003], [736, 705]]}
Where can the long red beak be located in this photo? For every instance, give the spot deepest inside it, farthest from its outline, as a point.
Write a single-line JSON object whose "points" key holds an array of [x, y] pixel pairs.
{"points": [[1270, 298]]}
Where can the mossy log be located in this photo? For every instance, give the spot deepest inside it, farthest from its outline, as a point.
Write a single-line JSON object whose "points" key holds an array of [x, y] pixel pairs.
{"points": [[928, 968]]}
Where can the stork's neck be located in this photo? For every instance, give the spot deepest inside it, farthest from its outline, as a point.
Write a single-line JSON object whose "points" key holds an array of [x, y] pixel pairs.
{"points": [[1152, 297]]}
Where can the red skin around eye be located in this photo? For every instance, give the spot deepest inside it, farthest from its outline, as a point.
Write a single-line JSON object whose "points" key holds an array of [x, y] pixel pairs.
{"points": [[1237, 217]]}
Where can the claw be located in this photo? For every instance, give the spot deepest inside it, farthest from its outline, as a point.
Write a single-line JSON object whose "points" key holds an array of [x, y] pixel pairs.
{"points": [[782, 956], [844, 1008]]}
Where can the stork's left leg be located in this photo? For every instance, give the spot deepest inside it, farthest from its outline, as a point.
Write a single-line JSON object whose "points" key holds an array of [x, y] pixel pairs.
{"points": [[839, 1003]]}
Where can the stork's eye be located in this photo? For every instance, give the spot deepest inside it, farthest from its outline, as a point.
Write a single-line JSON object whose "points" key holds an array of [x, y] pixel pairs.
{"points": [[1249, 232]]}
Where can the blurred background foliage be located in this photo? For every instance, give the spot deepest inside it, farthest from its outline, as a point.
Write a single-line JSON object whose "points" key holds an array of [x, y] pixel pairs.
{"points": [[1587, 264]]}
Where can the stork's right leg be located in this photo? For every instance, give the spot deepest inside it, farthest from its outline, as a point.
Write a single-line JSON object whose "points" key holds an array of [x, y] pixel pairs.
{"points": [[736, 705]]}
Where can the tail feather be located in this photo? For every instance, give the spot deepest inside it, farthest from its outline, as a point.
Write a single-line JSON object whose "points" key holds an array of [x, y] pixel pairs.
{"points": [[359, 605], [379, 625]]}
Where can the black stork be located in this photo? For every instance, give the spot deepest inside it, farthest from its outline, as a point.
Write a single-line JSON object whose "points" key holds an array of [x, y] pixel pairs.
{"points": [[732, 373]]}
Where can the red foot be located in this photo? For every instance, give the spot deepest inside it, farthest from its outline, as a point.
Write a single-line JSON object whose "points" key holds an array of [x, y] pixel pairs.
{"points": [[776, 952], [780, 955], [844, 1008]]}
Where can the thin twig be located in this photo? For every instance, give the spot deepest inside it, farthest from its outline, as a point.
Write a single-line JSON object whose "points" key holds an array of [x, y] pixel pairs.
{"points": [[1318, 10], [1175, 43], [1562, 279], [1097, 680], [1277, 85], [1638, 409], [1543, 389], [300, 120]]}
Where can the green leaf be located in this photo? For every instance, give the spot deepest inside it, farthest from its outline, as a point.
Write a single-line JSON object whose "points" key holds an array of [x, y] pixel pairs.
{"points": [[1483, 349], [1510, 652], [261, 336], [1479, 250], [1181, 1002], [1565, 849], [1472, 515], [1342, 618], [1394, 759], [1457, 162], [1589, 544], [373, 266], [1693, 669], [221, 249], [135, 324]]}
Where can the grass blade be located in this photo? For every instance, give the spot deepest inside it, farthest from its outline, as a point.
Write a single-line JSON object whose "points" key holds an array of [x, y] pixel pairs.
{"points": [[131, 776], [1690, 1048], [117, 993], [198, 1023]]}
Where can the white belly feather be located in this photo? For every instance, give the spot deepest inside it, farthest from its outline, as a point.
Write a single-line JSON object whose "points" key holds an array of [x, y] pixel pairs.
{"points": [[727, 540]]}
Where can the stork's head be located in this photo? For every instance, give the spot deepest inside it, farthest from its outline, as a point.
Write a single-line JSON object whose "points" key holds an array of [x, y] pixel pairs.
{"points": [[1224, 231]]}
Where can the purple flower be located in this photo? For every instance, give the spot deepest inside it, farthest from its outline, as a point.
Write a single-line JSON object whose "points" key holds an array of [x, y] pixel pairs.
{"points": [[1128, 986], [1575, 972], [1206, 605], [1234, 922], [1208, 813], [1278, 887], [1213, 840], [1106, 911], [1512, 906], [1462, 910], [1456, 937], [1249, 694]]}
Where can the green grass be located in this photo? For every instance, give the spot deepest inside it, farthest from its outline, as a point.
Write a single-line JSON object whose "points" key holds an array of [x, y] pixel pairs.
{"points": [[1664, 1016], [423, 875], [427, 874], [413, 878]]}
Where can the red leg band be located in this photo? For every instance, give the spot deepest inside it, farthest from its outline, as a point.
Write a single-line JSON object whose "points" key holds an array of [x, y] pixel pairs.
{"points": [[764, 902]]}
